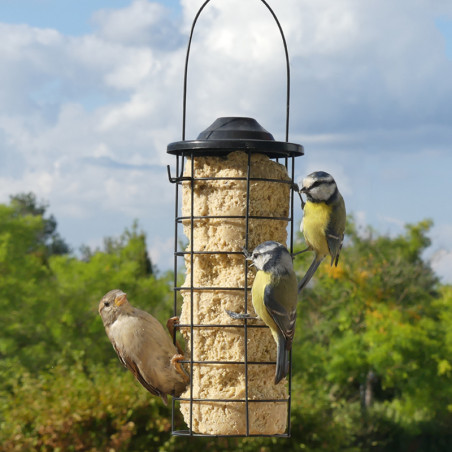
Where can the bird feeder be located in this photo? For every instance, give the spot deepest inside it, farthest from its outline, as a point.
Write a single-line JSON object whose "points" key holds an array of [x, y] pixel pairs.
{"points": [[233, 190]]}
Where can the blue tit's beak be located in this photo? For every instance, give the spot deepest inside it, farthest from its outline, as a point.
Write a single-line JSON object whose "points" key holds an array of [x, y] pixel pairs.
{"points": [[248, 257]]}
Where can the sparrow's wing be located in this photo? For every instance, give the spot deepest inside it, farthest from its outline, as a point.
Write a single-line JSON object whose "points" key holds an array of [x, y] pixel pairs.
{"points": [[132, 366]]}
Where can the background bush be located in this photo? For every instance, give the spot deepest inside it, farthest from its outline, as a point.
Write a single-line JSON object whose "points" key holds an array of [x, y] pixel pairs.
{"points": [[371, 359]]}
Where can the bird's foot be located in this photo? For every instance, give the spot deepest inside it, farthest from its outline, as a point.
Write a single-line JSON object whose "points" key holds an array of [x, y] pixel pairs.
{"points": [[176, 363], [170, 325], [301, 252], [237, 316]]}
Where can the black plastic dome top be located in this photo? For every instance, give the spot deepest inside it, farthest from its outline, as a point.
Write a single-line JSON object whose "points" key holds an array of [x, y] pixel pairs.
{"points": [[235, 134], [235, 128]]}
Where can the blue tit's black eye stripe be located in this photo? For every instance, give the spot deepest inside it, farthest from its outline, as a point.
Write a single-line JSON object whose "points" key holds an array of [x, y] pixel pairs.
{"points": [[321, 182]]}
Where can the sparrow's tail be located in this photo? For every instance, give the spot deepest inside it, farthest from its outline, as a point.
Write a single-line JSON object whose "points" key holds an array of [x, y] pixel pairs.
{"points": [[282, 359], [310, 273]]}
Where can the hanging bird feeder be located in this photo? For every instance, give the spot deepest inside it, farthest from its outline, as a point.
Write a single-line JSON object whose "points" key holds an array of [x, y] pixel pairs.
{"points": [[234, 190]]}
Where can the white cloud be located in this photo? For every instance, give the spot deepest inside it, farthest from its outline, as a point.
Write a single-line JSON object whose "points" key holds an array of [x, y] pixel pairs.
{"points": [[141, 23], [161, 252], [441, 263], [85, 120]]}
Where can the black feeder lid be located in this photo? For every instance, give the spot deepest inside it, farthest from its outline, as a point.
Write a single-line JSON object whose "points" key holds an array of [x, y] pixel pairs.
{"points": [[230, 134]]}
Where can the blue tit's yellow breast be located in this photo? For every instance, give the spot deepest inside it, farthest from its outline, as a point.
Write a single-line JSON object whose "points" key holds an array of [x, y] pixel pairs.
{"points": [[315, 221], [261, 280]]}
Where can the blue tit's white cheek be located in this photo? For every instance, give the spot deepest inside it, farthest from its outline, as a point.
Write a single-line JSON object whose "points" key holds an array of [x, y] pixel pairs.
{"points": [[261, 260], [323, 191]]}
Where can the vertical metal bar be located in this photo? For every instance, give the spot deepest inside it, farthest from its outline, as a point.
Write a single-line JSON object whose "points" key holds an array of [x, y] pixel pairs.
{"points": [[184, 107], [286, 52], [291, 205], [192, 224], [176, 234], [289, 401], [176, 209], [247, 220]]}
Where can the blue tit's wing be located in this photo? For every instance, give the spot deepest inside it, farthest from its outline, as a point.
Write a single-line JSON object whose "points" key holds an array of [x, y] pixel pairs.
{"points": [[280, 301], [132, 366], [335, 230], [334, 246]]}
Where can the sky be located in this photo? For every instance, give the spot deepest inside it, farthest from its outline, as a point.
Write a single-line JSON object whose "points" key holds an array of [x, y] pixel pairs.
{"points": [[91, 95]]}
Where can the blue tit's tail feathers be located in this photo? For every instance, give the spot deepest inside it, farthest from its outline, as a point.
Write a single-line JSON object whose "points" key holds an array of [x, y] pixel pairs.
{"points": [[282, 359], [309, 274]]}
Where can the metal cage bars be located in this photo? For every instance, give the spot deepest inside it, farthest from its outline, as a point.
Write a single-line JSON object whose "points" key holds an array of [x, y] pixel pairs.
{"points": [[286, 151], [289, 164]]}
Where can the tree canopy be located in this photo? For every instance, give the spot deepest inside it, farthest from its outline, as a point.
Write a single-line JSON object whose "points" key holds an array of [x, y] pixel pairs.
{"points": [[371, 357]]}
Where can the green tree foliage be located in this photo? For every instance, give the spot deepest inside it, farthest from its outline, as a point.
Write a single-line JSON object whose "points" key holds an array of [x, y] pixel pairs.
{"points": [[80, 284], [47, 237], [25, 283], [50, 305], [371, 333], [372, 354]]}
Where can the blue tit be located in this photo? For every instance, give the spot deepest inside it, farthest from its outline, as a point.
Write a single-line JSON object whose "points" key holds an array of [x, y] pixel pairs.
{"points": [[323, 223], [274, 297]]}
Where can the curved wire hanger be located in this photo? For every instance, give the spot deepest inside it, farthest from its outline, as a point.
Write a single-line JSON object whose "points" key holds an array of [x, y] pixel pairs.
{"points": [[184, 114]]}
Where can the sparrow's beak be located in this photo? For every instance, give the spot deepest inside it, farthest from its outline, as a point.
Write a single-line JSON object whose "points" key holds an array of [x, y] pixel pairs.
{"points": [[120, 299]]}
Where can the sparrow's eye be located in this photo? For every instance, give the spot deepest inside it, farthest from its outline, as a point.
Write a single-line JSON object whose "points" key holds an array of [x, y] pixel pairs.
{"points": [[106, 304]]}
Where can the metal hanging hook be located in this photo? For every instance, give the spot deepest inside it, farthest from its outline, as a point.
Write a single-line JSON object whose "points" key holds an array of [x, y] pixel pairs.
{"points": [[172, 179], [178, 178], [287, 68]]}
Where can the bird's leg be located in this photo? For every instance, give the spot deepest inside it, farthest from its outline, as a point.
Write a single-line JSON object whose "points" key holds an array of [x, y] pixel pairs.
{"points": [[300, 252], [175, 361], [236, 316], [170, 325]]}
